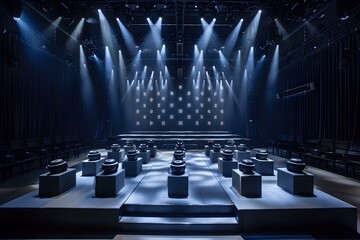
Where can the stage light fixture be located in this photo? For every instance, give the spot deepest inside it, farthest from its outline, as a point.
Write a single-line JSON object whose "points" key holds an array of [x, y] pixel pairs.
{"points": [[13, 8], [300, 90]]}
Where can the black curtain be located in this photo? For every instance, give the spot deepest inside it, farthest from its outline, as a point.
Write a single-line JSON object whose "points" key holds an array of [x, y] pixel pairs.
{"points": [[332, 110], [39, 93]]}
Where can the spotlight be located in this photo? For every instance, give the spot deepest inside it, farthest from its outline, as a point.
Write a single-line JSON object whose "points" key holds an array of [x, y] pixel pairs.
{"points": [[202, 19], [99, 10], [214, 19], [117, 19], [13, 8], [148, 19], [160, 18], [260, 11]]}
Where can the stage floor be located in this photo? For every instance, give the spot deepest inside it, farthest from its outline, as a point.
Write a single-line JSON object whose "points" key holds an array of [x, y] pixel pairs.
{"points": [[213, 206]]}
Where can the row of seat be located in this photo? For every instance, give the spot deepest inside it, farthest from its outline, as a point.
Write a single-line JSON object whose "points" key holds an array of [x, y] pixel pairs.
{"points": [[334, 155], [23, 153]]}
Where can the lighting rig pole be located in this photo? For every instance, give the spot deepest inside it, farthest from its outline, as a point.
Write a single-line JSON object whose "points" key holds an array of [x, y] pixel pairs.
{"points": [[180, 37]]}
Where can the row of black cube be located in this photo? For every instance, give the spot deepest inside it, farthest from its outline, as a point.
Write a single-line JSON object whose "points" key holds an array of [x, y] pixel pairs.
{"points": [[107, 184], [247, 182]]}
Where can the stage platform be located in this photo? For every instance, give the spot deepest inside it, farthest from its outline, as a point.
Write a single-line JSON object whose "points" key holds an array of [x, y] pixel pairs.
{"points": [[212, 207], [192, 139]]}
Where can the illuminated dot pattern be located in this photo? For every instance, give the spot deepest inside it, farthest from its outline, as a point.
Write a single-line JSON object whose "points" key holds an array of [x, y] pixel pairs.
{"points": [[179, 107]]}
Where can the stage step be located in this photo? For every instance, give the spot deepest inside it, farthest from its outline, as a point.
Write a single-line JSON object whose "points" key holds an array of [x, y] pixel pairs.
{"points": [[226, 210], [178, 225]]}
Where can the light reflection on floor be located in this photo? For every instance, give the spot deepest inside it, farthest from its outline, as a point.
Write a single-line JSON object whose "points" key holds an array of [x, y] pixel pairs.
{"points": [[203, 187]]}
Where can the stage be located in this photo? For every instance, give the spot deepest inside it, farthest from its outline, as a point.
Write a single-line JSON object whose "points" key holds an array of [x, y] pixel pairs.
{"points": [[212, 207], [192, 139]]}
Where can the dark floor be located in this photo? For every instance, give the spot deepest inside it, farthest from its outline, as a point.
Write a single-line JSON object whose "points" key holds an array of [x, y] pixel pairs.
{"points": [[336, 185]]}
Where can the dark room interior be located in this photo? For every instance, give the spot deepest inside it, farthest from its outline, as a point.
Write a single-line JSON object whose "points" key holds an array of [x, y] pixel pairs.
{"points": [[179, 119]]}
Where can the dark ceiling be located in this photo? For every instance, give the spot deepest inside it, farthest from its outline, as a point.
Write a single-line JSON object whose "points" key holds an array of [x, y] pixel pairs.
{"points": [[181, 19], [228, 13], [289, 12]]}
